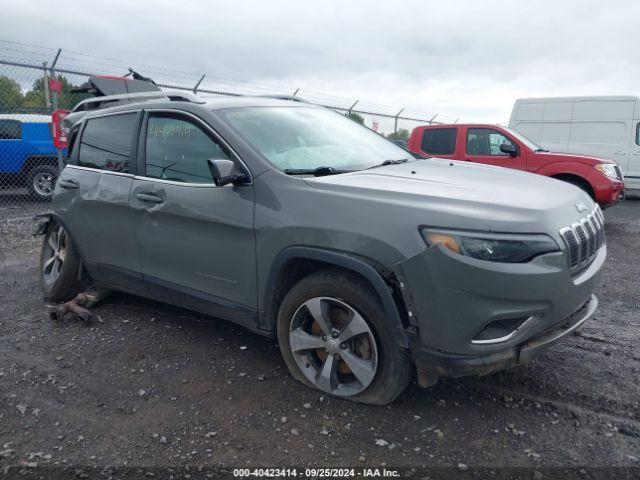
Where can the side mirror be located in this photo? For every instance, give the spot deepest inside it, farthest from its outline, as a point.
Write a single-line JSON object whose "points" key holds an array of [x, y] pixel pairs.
{"points": [[509, 148], [225, 172]]}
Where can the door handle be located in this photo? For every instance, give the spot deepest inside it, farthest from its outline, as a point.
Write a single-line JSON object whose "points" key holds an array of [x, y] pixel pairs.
{"points": [[619, 152], [149, 197], [69, 184]]}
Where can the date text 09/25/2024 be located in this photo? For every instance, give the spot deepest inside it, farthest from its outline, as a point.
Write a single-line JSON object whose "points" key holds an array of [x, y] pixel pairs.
{"points": [[316, 472]]}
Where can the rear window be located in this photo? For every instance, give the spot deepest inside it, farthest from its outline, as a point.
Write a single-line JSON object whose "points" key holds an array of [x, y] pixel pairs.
{"points": [[107, 141], [439, 141], [10, 130]]}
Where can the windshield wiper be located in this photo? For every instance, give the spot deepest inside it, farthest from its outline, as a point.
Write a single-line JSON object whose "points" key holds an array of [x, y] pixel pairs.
{"points": [[395, 162], [390, 162], [541, 150], [316, 172], [324, 171]]}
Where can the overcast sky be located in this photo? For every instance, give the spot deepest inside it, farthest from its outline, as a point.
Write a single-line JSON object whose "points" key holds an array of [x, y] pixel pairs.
{"points": [[467, 59]]}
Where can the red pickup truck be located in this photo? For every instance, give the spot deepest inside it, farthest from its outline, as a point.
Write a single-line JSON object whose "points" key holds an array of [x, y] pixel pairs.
{"points": [[501, 146]]}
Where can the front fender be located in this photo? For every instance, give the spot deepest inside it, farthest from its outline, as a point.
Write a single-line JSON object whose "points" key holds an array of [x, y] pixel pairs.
{"points": [[342, 260], [567, 168], [605, 189]]}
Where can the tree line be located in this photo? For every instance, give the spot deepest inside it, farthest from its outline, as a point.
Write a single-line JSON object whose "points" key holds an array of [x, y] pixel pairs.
{"points": [[401, 134], [12, 98]]}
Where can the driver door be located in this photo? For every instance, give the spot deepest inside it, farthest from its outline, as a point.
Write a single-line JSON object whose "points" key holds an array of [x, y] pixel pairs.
{"points": [[483, 146], [196, 240]]}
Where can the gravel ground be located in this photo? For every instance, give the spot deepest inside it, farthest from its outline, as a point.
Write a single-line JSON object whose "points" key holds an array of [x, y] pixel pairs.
{"points": [[155, 386]]}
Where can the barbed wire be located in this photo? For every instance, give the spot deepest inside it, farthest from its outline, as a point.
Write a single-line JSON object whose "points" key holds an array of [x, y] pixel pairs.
{"points": [[94, 64]]}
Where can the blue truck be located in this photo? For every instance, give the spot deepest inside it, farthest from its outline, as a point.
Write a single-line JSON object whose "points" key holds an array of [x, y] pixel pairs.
{"points": [[27, 155]]}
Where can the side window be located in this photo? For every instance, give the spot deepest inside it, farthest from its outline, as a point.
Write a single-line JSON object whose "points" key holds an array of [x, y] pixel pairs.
{"points": [[485, 141], [178, 149], [439, 141], [106, 142], [73, 146], [10, 130], [638, 134]]}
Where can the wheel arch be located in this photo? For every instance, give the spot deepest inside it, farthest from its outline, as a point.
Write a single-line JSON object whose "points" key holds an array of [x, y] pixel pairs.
{"points": [[295, 263], [570, 171], [574, 178], [36, 160], [45, 219]]}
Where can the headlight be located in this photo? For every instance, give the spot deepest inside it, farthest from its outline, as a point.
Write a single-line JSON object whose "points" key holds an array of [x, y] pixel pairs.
{"points": [[504, 248], [608, 169]]}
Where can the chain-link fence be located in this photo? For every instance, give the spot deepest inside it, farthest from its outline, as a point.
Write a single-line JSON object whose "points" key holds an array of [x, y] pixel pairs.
{"points": [[28, 160], [34, 81]]}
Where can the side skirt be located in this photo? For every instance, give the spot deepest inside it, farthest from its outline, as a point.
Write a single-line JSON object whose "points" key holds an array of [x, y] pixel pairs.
{"points": [[176, 295]]}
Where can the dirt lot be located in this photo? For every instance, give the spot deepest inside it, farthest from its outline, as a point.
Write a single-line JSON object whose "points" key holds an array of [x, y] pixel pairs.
{"points": [[156, 386]]}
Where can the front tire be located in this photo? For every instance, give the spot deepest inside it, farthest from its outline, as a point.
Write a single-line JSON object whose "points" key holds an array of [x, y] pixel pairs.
{"points": [[41, 181], [335, 337], [59, 265]]}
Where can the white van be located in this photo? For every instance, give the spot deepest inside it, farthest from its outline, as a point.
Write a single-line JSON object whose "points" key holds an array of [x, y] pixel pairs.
{"points": [[604, 127]]}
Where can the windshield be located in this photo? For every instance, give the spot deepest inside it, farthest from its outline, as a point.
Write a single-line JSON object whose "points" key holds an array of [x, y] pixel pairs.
{"points": [[529, 143], [307, 138]]}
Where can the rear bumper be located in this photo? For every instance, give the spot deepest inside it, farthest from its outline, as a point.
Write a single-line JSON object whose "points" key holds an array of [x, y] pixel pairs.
{"points": [[449, 365]]}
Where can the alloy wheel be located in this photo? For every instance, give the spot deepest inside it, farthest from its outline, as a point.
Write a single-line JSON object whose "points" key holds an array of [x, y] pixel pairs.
{"points": [[56, 250], [333, 346], [43, 183]]}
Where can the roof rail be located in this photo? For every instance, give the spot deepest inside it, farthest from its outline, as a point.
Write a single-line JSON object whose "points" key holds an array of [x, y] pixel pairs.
{"points": [[97, 102]]}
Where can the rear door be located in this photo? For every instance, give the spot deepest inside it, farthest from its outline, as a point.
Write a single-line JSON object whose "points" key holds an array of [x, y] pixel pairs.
{"points": [[439, 142], [92, 198], [482, 145], [196, 239]]}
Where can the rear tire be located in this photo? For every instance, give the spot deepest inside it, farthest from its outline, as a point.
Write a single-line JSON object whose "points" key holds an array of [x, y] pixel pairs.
{"points": [[41, 181], [366, 363], [59, 265]]}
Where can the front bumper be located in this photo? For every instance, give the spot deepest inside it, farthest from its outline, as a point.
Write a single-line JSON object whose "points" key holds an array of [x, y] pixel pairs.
{"points": [[450, 299], [448, 365], [611, 194]]}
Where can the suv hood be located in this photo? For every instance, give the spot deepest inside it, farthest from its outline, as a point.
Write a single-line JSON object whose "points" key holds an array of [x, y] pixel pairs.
{"points": [[466, 195]]}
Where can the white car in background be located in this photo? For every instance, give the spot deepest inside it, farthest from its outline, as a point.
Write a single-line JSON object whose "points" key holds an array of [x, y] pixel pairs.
{"points": [[601, 126]]}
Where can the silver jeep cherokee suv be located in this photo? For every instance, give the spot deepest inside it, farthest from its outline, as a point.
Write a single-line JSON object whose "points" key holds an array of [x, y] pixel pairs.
{"points": [[297, 222]]}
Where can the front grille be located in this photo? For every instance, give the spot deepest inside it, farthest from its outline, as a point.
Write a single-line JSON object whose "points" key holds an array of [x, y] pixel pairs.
{"points": [[584, 238]]}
